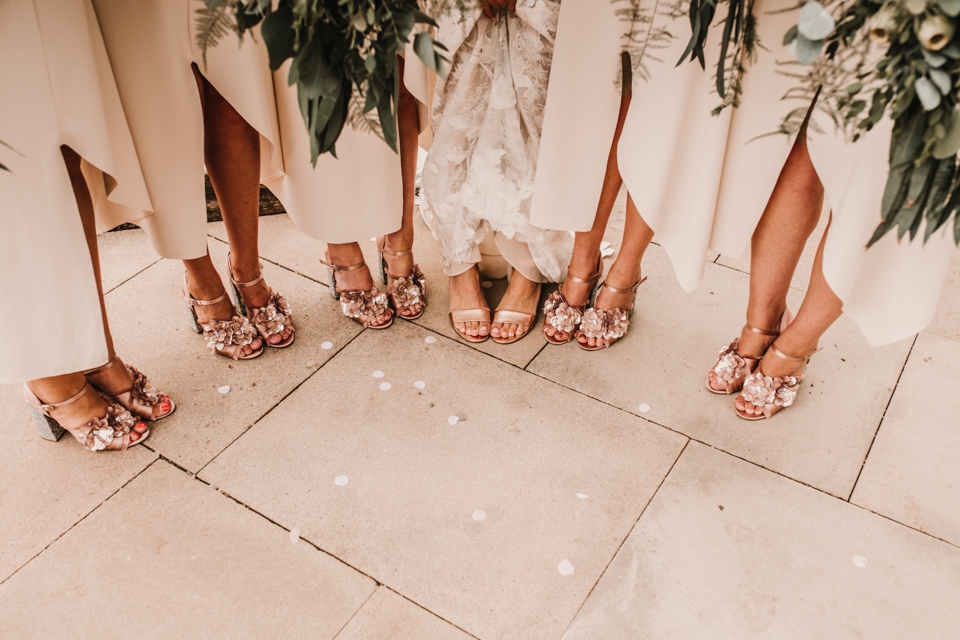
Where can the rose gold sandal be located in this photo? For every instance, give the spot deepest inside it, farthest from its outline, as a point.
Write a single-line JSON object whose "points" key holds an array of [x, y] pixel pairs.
{"points": [[609, 324], [508, 316], [270, 319], [224, 337], [771, 393], [733, 367], [560, 315], [139, 399], [406, 292], [109, 433], [470, 315], [361, 306]]}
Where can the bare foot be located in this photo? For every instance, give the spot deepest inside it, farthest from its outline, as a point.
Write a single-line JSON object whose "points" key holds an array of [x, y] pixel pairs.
{"points": [[466, 293], [522, 295], [116, 380]]}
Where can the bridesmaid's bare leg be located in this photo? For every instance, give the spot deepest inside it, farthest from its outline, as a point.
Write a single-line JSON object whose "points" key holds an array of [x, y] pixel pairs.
{"points": [[586, 246], [791, 215]]}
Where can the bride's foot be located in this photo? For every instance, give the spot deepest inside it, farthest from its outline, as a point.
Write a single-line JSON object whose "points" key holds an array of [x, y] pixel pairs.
{"points": [[406, 285], [517, 311], [469, 312], [266, 309]]}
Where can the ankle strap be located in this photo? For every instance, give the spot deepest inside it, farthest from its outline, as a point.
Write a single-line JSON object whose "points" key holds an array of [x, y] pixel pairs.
{"points": [[46, 408], [103, 367], [592, 279], [336, 267], [632, 289], [243, 285], [396, 254], [764, 332], [783, 356], [193, 302]]}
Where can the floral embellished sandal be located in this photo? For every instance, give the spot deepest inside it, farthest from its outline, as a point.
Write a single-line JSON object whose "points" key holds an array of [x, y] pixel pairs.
{"points": [[771, 394], [563, 317], [406, 292], [270, 319], [112, 432], [224, 337], [609, 324], [140, 399], [362, 306], [733, 367]]}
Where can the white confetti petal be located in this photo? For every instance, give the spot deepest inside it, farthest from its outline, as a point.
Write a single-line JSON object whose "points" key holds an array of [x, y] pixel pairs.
{"points": [[644, 408], [378, 374], [373, 239], [565, 568], [326, 346], [606, 249], [479, 515], [452, 420], [294, 535], [311, 364], [225, 389], [860, 561], [429, 339], [340, 481], [385, 386], [420, 384], [582, 496], [486, 284]]}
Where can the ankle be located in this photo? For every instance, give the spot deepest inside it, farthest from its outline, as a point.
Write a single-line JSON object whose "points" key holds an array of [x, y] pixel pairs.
{"points": [[245, 270], [583, 263], [344, 255], [766, 318], [400, 241], [623, 276]]}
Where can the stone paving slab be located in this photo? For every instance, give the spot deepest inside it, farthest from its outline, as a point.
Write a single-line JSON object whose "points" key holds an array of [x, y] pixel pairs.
{"points": [[387, 615], [47, 486], [149, 322], [913, 472], [470, 521], [673, 341], [124, 254], [170, 557], [729, 550], [946, 322]]}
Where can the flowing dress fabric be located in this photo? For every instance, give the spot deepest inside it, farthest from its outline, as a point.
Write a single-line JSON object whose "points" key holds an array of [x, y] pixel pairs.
{"points": [[488, 113], [890, 290], [671, 149], [57, 89], [152, 44]]}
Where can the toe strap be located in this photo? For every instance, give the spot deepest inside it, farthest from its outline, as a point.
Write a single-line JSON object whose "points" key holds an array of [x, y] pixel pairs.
{"points": [[560, 315], [236, 332], [364, 304]]}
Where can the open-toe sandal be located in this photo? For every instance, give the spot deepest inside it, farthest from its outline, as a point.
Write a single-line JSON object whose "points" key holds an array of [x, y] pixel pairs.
{"points": [[111, 432], [733, 367], [140, 399], [520, 318], [608, 324], [563, 317], [361, 306], [470, 315], [272, 318], [224, 337], [771, 394], [405, 292]]}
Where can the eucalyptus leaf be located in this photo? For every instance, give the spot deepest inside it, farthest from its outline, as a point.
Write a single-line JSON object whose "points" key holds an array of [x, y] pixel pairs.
{"points": [[942, 80], [928, 93], [950, 7], [790, 36], [814, 22], [808, 50], [948, 146], [933, 58], [278, 36]]}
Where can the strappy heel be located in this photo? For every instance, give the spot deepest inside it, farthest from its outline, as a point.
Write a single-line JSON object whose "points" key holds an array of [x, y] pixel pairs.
{"points": [[406, 292], [559, 314], [270, 319], [732, 367], [609, 324], [224, 337], [108, 433], [360, 306], [771, 394], [139, 399]]}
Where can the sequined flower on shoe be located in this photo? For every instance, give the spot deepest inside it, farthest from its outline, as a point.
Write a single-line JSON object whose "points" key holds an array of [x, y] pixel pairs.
{"points": [[408, 292], [224, 333], [272, 319], [761, 390], [731, 367], [99, 433], [359, 304], [600, 323], [560, 315], [142, 390]]}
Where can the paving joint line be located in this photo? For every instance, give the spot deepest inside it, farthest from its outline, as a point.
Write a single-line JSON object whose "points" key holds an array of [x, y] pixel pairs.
{"points": [[125, 281], [277, 264], [354, 614]]}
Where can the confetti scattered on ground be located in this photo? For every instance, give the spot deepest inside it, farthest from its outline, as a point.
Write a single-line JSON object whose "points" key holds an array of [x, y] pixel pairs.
{"points": [[326, 346], [311, 364], [378, 374], [565, 568], [860, 561], [429, 339], [294, 535], [461, 417], [420, 384], [486, 284], [225, 389], [452, 420], [582, 496], [340, 481], [644, 408], [385, 386], [479, 515]]}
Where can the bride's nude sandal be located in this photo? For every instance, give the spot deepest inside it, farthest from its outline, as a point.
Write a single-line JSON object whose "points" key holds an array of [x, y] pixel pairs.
{"points": [[609, 324], [139, 399], [563, 317], [771, 394], [224, 337], [270, 319], [360, 306], [463, 316], [407, 291], [733, 367], [108, 433]]}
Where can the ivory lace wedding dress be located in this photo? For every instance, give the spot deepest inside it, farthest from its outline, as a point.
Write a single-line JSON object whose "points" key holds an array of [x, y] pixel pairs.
{"points": [[478, 179]]}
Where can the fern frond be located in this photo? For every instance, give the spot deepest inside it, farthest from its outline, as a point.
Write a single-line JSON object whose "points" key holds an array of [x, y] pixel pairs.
{"points": [[213, 24]]}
